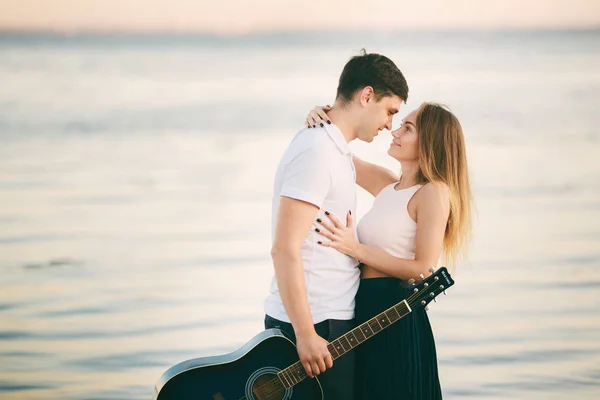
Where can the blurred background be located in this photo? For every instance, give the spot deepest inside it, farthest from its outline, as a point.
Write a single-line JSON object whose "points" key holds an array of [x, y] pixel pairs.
{"points": [[138, 144]]}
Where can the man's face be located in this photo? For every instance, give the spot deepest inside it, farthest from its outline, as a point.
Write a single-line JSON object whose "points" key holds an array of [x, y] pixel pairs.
{"points": [[377, 116]]}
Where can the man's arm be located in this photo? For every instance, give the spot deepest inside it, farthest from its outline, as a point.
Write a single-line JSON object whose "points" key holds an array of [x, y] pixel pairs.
{"points": [[294, 220]]}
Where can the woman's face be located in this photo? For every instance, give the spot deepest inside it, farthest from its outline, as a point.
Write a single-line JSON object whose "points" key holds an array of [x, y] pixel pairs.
{"points": [[405, 140]]}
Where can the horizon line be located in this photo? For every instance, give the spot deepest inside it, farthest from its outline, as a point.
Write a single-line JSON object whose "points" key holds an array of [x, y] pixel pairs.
{"points": [[188, 32]]}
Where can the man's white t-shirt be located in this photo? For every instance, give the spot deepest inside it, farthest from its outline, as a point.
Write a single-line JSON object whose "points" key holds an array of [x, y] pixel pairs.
{"points": [[317, 168]]}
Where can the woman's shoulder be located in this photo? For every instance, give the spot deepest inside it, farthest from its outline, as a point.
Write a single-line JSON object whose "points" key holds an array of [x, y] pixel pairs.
{"points": [[435, 188], [434, 193]]}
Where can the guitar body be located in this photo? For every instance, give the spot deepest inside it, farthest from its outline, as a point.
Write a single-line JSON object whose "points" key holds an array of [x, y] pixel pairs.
{"points": [[246, 374]]}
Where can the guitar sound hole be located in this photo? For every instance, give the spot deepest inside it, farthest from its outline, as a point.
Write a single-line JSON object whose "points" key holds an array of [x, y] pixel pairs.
{"points": [[268, 387]]}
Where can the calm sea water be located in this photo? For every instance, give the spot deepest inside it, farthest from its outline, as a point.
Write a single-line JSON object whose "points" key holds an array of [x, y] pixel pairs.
{"points": [[135, 187]]}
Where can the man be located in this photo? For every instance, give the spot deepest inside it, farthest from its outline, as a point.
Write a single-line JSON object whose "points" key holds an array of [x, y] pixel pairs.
{"points": [[312, 293]]}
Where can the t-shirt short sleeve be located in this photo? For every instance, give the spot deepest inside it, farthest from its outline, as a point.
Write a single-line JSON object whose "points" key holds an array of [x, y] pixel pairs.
{"points": [[307, 177]]}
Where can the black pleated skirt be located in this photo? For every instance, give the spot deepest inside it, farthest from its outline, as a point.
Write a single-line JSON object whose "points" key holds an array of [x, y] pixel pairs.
{"points": [[399, 362]]}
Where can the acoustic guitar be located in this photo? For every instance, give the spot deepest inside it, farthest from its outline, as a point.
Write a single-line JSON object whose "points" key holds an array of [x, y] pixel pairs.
{"points": [[268, 367]]}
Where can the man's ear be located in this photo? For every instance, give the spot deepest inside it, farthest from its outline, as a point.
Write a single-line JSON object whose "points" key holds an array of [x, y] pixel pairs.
{"points": [[366, 94]]}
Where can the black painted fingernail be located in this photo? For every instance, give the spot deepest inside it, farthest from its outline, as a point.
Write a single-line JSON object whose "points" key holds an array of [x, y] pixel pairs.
{"points": [[318, 219], [309, 127], [326, 212], [329, 122], [314, 126], [320, 242], [321, 124], [350, 211], [317, 230]]}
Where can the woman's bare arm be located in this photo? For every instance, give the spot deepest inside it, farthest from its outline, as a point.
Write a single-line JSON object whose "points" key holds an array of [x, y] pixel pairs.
{"points": [[372, 177]]}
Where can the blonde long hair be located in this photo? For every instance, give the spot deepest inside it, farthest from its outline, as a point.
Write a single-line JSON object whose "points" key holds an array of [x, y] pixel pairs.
{"points": [[443, 159]]}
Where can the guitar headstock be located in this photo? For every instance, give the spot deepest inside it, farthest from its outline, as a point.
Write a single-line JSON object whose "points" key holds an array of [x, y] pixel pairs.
{"points": [[430, 287]]}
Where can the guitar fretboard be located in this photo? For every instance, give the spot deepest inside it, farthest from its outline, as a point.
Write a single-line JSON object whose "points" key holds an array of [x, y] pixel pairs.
{"points": [[296, 373]]}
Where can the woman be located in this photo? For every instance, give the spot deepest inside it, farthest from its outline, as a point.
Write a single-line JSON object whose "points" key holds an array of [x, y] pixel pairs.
{"points": [[414, 220]]}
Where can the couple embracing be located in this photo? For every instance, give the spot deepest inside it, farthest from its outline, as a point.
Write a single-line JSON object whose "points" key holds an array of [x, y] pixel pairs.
{"points": [[332, 274]]}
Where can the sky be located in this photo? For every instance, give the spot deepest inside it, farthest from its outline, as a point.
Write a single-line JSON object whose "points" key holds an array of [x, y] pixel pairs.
{"points": [[242, 16]]}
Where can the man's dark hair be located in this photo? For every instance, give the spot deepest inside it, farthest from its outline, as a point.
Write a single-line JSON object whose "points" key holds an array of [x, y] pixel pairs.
{"points": [[373, 70]]}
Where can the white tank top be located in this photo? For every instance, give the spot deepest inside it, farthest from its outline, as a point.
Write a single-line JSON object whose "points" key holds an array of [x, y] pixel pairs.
{"points": [[388, 226]]}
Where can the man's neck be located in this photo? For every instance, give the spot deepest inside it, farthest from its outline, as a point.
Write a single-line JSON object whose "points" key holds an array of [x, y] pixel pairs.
{"points": [[341, 116]]}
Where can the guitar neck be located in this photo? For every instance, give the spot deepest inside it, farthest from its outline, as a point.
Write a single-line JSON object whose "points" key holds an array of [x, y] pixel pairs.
{"points": [[364, 331], [295, 373]]}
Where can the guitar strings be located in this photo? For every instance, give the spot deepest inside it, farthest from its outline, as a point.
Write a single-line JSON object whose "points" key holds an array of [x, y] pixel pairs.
{"points": [[276, 383]]}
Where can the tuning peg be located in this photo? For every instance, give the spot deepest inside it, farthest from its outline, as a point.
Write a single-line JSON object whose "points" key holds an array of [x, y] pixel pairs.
{"points": [[422, 276], [432, 270], [411, 281]]}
